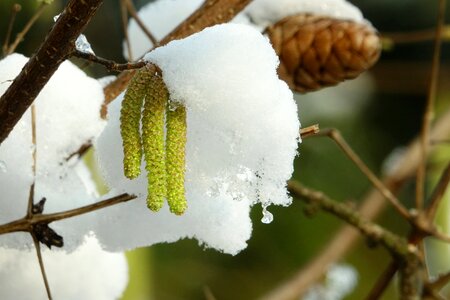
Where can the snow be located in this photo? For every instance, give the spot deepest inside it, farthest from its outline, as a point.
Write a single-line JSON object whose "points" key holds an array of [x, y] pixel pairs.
{"points": [[87, 273], [267, 12], [67, 111], [241, 141], [160, 17]]}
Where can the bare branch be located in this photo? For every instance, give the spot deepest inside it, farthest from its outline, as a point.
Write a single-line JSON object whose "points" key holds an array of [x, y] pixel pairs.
{"points": [[438, 193], [27, 27], [58, 44], [26, 224], [429, 109], [377, 183], [124, 17], [14, 10], [109, 64], [309, 131], [133, 13], [37, 245], [383, 281]]}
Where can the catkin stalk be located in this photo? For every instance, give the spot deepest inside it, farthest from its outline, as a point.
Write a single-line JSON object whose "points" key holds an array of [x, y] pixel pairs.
{"points": [[153, 140], [175, 159], [130, 116]]}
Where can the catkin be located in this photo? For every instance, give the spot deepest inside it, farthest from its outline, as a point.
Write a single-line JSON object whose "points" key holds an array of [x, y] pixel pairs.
{"points": [[175, 159], [153, 140], [130, 116]]}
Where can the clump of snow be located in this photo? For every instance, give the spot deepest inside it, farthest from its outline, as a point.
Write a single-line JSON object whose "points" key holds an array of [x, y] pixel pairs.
{"points": [[340, 281], [67, 116], [267, 12], [160, 17], [87, 273], [242, 138]]}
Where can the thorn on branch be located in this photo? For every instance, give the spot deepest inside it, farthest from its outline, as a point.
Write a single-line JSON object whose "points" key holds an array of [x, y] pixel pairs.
{"points": [[109, 64]]}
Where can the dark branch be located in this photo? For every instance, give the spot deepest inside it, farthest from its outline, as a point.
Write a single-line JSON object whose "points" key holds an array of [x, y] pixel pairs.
{"points": [[58, 44], [109, 64]]}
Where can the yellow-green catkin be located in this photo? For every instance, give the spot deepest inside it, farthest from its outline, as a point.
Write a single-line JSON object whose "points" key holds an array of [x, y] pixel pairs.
{"points": [[153, 140], [130, 117], [175, 158]]}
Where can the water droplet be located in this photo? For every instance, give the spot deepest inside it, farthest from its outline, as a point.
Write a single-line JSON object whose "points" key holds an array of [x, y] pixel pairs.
{"points": [[3, 167], [267, 216]]}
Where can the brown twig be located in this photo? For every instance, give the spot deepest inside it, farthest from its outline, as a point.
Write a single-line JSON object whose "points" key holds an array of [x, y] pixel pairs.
{"points": [[438, 193], [132, 10], [25, 224], [27, 27], [14, 10], [392, 242], [58, 44], [429, 109], [372, 205], [109, 64], [383, 281], [124, 17], [37, 245], [377, 183]]}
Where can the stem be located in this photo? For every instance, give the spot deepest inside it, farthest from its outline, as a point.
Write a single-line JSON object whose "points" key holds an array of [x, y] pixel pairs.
{"points": [[109, 64], [58, 44], [377, 183], [428, 115], [25, 224], [383, 281], [124, 17], [133, 13], [438, 193], [27, 27], [14, 10], [37, 245]]}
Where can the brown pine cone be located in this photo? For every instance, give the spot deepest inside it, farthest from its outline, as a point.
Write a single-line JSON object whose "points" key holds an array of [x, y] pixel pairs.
{"points": [[317, 51]]}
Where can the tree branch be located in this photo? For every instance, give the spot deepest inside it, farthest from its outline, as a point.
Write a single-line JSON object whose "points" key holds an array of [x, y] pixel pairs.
{"points": [[26, 224], [58, 44], [109, 64]]}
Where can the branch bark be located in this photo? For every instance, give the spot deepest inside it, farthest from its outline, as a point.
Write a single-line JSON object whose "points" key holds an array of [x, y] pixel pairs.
{"points": [[58, 44]]}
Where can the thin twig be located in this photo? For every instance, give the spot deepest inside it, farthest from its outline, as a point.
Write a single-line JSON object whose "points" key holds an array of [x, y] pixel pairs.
{"points": [[392, 242], [37, 245], [377, 183], [33, 166], [109, 64], [383, 281], [124, 17], [14, 10], [31, 21], [429, 109], [133, 13], [25, 224], [438, 193]]}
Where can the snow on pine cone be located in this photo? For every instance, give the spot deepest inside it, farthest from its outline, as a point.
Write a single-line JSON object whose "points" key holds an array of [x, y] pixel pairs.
{"points": [[317, 51]]}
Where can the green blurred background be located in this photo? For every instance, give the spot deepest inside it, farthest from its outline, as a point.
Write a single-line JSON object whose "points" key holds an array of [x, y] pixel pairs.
{"points": [[376, 114]]}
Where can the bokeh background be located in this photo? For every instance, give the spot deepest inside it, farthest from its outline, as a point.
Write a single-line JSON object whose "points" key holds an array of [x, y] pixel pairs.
{"points": [[377, 113]]}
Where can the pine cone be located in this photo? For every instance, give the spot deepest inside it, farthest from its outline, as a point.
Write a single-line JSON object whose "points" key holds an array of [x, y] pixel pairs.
{"points": [[317, 51]]}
